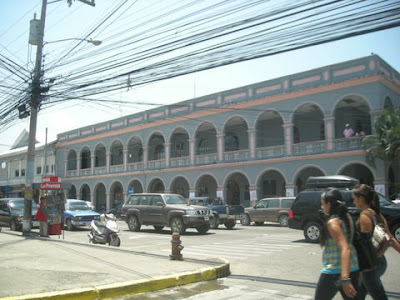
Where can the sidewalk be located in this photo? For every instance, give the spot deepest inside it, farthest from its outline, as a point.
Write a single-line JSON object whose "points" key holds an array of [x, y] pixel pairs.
{"points": [[51, 268]]}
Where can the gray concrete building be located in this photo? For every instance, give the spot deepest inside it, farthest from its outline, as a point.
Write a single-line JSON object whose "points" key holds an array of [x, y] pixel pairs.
{"points": [[243, 144]]}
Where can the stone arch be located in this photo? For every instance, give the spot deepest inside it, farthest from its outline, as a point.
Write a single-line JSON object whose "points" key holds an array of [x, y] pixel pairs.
{"points": [[353, 110], [116, 194], [71, 160], [271, 184], [304, 173], [100, 197], [237, 189], [135, 149], [180, 185], [100, 154], [116, 153], [84, 192], [85, 158], [136, 185], [236, 134], [358, 170], [269, 128], [206, 138], [72, 194], [156, 147], [206, 185], [179, 142], [308, 123], [156, 185]]}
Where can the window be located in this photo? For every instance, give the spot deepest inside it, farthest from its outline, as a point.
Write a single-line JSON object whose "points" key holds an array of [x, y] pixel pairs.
{"points": [[16, 173], [274, 203], [3, 165], [261, 204], [38, 170], [286, 203], [23, 172]]}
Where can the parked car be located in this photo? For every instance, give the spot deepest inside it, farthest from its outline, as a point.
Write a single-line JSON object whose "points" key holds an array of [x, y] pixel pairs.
{"points": [[160, 210], [268, 210], [77, 213], [116, 210], [305, 213], [222, 213], [12, 213]]}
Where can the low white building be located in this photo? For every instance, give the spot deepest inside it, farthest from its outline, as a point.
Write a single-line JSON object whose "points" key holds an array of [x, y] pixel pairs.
{"points": [[13, 165]]}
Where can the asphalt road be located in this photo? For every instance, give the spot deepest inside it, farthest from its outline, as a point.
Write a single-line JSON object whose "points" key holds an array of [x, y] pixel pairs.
{"points": [[267, 262]]}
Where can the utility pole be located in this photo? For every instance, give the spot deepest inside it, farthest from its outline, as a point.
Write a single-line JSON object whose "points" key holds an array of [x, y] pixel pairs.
{"points": [[34, 105], [36, 99]]}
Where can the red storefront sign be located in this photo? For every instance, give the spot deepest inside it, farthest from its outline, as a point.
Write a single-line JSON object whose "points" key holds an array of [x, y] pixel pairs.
{"points": [[51, 183]]}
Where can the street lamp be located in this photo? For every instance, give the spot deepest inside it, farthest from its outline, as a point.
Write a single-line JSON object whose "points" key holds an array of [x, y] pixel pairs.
{"points": [[93, 42]]}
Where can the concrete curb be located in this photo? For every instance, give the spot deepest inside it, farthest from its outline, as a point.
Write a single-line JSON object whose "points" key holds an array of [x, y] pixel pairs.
{"points": [[115, 290]]}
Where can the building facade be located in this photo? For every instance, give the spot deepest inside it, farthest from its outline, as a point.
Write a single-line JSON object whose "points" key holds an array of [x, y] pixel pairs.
{"points": [[243, 144], [13, 164]]}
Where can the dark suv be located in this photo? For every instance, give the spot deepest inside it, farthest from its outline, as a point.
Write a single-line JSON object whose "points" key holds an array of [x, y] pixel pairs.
{"points": [[305, 213], [162, 210], [12, 213]]}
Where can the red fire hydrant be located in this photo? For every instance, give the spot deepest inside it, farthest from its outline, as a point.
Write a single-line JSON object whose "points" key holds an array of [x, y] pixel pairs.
{"points": [[176, 247]]}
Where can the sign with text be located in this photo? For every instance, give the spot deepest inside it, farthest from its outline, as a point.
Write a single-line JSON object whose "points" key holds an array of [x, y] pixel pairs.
{"points": [[51, 183]]}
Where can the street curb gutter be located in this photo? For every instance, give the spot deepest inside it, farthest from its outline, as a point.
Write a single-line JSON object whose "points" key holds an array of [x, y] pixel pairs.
{"points": [[115, 290]]}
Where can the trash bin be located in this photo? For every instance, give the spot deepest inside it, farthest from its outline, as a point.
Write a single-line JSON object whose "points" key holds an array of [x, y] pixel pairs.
{"points": [[54, 229]]}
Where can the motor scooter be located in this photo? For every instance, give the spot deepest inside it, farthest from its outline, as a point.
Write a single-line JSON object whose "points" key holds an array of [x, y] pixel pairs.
{"points": [[105, 231]]}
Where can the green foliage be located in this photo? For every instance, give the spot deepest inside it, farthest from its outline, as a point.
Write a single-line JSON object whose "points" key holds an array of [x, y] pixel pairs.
{"points": [[385, 144]]}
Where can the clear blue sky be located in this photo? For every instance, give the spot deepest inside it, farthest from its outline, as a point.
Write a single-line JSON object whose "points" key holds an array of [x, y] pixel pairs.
{"points": [[66, 22]]}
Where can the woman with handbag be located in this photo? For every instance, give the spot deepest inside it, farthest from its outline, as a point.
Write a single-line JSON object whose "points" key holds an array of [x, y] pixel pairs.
{"points": [[367, 200], [339, 258]]}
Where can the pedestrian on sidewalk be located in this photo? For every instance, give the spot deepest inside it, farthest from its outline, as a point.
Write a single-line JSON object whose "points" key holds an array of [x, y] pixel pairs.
{"points": [[41, 216], [367, 200], [340, 271]]}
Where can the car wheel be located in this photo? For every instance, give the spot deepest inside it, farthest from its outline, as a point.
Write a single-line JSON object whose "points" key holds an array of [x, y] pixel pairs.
{"points": [[283, 220], [203, 229], [158, 228], [245, 220], [13, 225], [214, 222], [177, 225], [312, 232], [70, 227], [229, 224], [396, 232], [133, 223]]}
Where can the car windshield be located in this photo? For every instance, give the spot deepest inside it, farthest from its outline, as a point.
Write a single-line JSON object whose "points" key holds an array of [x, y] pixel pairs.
{"points": [[175, 199], [19, 204], [77, 206], [383, 201]]}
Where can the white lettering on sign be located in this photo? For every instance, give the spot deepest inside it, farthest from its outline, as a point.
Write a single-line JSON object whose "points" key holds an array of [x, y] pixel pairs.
{"points": [[50, 186]]}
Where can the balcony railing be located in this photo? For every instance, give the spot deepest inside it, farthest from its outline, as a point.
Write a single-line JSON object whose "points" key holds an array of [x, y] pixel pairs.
{"points": [[239, 155], [206, 159], [135, 166], [270, 152], [180, 161], [156, 164], [347, 144], [309, 148]]}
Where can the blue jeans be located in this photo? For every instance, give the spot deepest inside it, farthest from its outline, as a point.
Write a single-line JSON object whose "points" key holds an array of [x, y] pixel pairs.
{"points": [[328, 286], [371, 281]]}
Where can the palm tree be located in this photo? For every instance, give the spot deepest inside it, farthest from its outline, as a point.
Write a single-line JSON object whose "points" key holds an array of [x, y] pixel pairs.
{"points": [[385, 143]]}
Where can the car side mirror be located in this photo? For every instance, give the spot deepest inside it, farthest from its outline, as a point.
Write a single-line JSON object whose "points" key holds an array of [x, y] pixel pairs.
{"points": [[159, 203]]}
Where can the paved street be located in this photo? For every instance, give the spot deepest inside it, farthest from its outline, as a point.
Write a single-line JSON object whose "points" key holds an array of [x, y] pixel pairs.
{"points": [[267, 262]]}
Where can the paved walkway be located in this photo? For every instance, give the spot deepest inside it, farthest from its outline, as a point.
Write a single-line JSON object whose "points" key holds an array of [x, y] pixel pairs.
{"points": [[50, 268]]}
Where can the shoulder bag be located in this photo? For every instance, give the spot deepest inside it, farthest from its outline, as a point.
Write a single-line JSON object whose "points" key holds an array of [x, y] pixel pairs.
{"points": [[366, 252], [380, 239]]}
